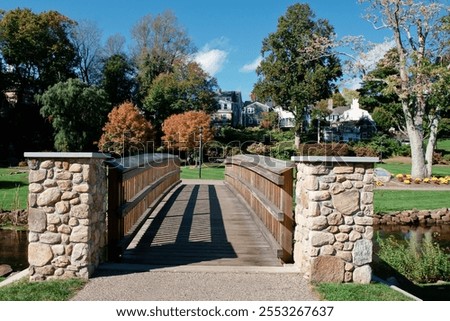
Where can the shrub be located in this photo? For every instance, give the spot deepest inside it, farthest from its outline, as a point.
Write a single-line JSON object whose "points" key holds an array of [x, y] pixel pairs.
{"points": [[420, 262], [332, 149]]}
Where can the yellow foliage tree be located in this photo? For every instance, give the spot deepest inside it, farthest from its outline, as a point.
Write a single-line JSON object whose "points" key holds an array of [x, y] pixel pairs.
{"points": [[127, 132], [182, 131]]}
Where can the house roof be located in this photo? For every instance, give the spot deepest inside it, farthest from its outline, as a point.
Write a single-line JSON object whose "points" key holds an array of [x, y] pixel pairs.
{"points": [[340, 110]]}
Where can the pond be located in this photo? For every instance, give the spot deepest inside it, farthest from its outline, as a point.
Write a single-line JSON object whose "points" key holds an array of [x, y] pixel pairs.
{"points": [[14, 249], [439, 233]]}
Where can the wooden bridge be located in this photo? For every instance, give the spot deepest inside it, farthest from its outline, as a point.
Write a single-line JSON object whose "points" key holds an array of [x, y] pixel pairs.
{"points": [[156, 219]]}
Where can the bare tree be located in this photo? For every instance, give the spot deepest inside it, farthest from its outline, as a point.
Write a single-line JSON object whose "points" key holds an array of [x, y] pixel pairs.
{"points": [[419, 42], [115, 45], [159, 41], [86, 37]]}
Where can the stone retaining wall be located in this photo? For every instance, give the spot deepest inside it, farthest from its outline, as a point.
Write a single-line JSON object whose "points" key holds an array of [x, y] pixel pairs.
{"points": [[414, 217], [333, 236], [67, 214]]}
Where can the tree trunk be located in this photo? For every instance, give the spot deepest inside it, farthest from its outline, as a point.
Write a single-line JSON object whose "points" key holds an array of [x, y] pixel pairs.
{"points": [[431, 145], [297, 140]]}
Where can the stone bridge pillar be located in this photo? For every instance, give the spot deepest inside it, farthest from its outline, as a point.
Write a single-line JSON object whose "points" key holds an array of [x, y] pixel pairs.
{"points": [[67, 214], [333, 235]]}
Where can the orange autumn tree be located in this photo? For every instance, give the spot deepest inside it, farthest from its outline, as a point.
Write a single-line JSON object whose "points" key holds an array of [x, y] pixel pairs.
{"points": [[126, 132], [181, 131]]}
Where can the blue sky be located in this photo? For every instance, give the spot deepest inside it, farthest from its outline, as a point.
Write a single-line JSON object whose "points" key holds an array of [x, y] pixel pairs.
{"points": [[228, 34]]}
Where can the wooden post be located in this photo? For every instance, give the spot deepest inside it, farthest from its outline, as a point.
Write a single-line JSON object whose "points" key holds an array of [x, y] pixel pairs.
{"points": [[114, 215]]}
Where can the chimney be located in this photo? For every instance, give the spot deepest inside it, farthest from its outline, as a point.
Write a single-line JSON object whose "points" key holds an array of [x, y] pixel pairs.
{"points": [[330, 104]]}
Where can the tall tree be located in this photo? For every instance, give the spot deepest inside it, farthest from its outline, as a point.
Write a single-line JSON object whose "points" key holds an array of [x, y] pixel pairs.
{"points": [[118, 79], [77, 113], [159, 42], [37, 53], [299, 67], [37, 49], [187, 88], [86, 37], [420, 41]]}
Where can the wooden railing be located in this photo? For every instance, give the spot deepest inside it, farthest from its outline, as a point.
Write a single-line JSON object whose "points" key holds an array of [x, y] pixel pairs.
{"points": [[135, 186], [266, 185]]}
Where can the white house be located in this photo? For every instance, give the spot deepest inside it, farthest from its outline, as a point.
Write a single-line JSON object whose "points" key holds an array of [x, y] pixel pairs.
{"points": [[349, 124]]}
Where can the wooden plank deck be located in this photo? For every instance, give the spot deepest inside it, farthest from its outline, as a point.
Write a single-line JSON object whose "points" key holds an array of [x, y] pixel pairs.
{"points": [[201, 223]]}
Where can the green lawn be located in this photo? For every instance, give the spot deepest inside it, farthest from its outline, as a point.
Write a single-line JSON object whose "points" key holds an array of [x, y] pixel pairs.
{"points": [[61, 290], [400, 168], [13, 189], [444, 145], [391, 200], [209, 171], [358, 292]]}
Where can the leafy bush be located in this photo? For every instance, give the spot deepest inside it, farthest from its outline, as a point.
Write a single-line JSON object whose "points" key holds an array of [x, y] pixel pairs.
{"points": [[332, 149], [421, 262]]}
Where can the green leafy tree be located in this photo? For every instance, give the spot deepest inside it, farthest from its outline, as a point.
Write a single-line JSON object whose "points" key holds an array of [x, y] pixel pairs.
{"points": [[187, 88], [37, 48], [118, 79], [38, 53], [77, 113], [299, 67]]}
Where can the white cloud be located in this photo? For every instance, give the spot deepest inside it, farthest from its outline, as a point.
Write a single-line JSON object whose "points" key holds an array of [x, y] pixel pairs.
{"points": [[213, 56], [370, 59], [251, 67], [211, 60]]}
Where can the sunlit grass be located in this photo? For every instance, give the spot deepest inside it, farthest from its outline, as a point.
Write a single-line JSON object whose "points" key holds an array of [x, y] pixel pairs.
{"points": [[55, 290], [358, 292]]}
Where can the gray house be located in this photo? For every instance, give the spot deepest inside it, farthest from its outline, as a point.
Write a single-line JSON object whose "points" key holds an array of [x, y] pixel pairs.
{"points": [[253, 113], [230, 109]]}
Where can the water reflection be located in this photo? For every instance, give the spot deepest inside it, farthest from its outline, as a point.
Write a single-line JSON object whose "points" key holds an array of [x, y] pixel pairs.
{"points": [[439, 233], [14, 249]]}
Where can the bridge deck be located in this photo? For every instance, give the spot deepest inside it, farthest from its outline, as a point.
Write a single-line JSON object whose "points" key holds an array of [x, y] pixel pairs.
{"points": [[201, 223]]}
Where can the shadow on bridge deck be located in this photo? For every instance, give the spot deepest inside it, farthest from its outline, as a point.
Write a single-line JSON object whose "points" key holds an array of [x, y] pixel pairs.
{"points": [[201, 223]]}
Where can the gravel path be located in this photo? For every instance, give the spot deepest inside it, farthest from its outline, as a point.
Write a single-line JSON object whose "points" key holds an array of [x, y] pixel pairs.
{"points": [[198, 285]]}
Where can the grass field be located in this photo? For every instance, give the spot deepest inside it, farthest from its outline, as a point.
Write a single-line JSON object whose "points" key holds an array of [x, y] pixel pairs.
{"points": [[61, 290], [13, 189], [391, 200], [402, 168], [209, 171], [359, 292], [444, 145]]}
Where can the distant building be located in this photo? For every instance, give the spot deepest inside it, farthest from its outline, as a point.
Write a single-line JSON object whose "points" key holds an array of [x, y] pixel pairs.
{"points": [[253, 113], [349, 124], [286, 119], [230, 109]]}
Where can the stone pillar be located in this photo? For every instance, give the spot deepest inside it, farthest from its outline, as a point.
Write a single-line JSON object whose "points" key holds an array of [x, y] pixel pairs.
{"points": [[67, 214], [333, 235]]}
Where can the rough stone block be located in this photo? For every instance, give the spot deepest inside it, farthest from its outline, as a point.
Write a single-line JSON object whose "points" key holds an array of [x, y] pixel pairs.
{"points": [[317, 223], [80, 234], [321, 238], [347, 202], [49, 197], [343, 170], [362, 252], [37, 220], [80, 211], [328, 269], [76, 168], [50, 238], [319, 196], [37, 176], [362, 275], [39, 254]]}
